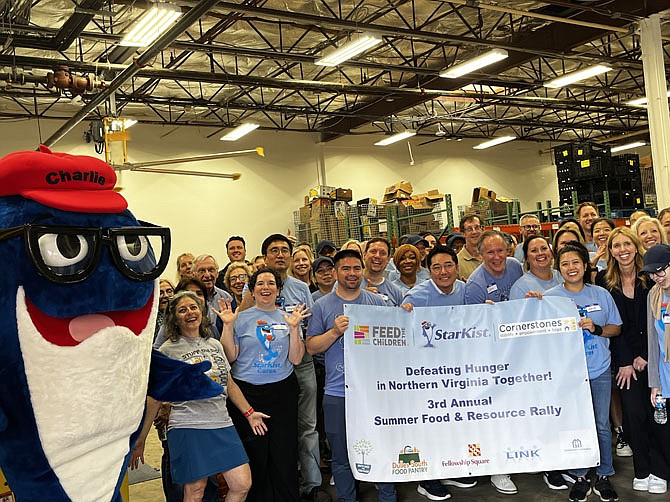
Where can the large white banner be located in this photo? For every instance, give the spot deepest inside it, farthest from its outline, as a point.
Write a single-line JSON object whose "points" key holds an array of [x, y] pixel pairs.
{"points": [[446, 392]]}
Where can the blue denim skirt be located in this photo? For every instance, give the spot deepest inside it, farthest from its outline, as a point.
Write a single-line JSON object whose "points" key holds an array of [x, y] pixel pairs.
{"points": [[199, 453]]}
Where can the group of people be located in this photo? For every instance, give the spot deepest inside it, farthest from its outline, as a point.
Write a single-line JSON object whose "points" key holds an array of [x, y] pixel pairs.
{"points": [[273, 328]]}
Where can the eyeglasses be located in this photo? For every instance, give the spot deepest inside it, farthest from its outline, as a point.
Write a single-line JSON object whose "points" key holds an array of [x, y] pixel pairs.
{"points": [[660, 273], [474, 228], [277, 251], [439, 268], [531, 227], [239, 278], [69, 255]]}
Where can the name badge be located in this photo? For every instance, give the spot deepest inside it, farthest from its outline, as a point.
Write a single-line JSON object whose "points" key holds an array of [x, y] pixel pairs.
{"points": [[278, 327], [666, 318], [289, 308], [593, 308], [492, 287]]}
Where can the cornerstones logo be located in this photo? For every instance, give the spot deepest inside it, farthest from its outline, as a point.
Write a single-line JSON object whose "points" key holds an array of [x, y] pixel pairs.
{"points": [[409, 462], [539, 327], [385, 336], [363, 447]]}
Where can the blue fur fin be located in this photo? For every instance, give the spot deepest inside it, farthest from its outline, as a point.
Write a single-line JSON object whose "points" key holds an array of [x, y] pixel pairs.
{"points": [[172, 380]]}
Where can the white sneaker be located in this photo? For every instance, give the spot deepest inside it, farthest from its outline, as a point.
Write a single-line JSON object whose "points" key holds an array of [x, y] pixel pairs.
{"points": [[504, 484], [332, 481], [657, 485], [641, 485]]}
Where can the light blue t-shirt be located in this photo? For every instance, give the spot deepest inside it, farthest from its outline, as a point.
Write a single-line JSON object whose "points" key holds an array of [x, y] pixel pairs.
{"points": [[530, 282], [324, 312], [263, 338], [518, 252], [427, 294], [482, 285], [595, 303], [663, 367], [389, 292]]}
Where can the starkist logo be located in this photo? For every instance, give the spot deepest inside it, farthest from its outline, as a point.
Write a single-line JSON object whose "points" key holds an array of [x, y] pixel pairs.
{"points": [[54, 178]]}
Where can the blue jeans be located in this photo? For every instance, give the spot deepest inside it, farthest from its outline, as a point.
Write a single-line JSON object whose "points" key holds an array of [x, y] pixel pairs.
{"points": [[336, 430], [308, 439], [601, 391]]}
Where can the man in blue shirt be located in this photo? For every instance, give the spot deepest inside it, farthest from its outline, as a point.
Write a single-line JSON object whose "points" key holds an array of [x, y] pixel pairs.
{"points": [[493, 279], [443, 287], [492, 282], [376, 257], [324, 334]]}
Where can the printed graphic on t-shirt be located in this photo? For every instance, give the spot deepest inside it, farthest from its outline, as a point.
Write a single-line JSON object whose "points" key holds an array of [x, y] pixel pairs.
{"points": [[590, 344], [218, 372], [270, 337]]}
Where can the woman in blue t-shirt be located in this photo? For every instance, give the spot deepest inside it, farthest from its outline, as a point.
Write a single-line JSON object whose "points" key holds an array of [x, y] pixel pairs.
{"points": [[263, 343], [599, 321]]}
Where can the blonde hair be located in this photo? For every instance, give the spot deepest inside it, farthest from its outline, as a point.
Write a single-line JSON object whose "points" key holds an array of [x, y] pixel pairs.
{"points": [[648, 219], [188, 255], [310, 257], [612, 273]]}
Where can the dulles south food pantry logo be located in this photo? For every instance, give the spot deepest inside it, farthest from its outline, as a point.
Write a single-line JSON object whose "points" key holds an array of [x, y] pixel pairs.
{"points": [[409, 462], [382, 336]]}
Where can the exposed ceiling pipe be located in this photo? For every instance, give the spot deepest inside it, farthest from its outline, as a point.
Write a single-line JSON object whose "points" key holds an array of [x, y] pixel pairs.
{"points": [[537, 15], [146, 57]]}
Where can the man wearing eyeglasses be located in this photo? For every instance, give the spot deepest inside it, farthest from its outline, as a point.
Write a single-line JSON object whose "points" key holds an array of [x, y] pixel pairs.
{"points": [[529, 224], [468, 257], [277, 250], [442, 289]]}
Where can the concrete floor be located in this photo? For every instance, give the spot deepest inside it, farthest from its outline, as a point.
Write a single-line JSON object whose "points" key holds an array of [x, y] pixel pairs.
{"points": [[531, 487]]}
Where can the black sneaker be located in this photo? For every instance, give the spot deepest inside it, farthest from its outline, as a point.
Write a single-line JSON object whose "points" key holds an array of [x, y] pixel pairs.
{"points": [[605, 490], [580, 490], [554, 480], [433, 490], [460, 482]]}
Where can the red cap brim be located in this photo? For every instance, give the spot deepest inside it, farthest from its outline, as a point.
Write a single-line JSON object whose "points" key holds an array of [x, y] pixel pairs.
{"points": [[80, 201]]}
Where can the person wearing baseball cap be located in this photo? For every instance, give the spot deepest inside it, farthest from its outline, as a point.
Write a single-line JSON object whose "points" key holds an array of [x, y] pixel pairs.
{"points": [[326, 248], [324, 274], [656, 263]]}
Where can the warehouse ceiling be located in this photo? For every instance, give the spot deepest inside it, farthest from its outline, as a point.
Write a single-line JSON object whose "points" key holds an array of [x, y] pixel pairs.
{"points": [[227, 62]]}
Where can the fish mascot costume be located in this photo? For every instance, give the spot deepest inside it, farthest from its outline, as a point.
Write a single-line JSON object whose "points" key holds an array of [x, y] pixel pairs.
{"points": [[78, 303]]}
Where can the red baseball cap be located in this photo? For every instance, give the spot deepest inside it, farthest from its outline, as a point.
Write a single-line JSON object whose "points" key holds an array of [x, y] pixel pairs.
{"points": [[76, 183]]}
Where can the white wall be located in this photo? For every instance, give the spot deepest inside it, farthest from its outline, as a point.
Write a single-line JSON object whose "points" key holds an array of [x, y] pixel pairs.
{"points": [[203, 212]]}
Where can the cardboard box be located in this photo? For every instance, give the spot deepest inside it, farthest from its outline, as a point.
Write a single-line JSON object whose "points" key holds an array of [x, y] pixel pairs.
{"points": [[404, 186], [342, 194], [398, 195], [480, 193], [321, 206]]}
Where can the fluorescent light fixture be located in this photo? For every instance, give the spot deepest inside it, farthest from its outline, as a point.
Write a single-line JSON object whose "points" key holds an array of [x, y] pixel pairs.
{"points": [[494, 142], [474, 64], [239, 131], [152, 24], [620, 148], [408, 133], [640, 101], [358, 44], [577, 76], [120, 124]]}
